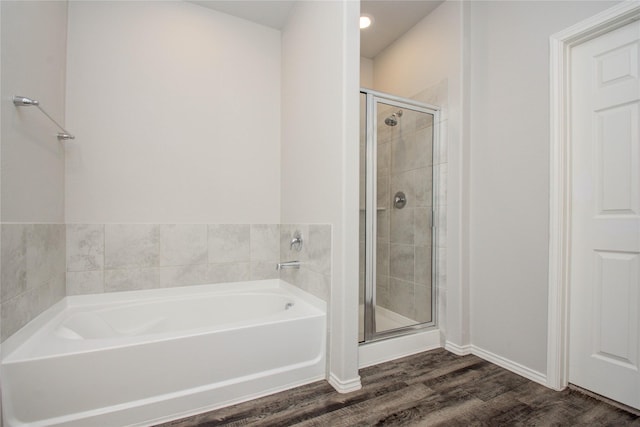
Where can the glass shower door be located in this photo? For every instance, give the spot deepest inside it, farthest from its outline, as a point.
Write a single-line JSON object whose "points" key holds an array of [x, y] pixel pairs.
{"points": [[396, 228]]}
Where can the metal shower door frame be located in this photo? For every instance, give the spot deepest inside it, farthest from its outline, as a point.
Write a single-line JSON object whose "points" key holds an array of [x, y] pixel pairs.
{"points": [[372, 100]]}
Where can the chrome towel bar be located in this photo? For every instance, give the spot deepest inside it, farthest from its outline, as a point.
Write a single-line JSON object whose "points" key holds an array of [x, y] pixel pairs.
{"points": [[23, 101]]}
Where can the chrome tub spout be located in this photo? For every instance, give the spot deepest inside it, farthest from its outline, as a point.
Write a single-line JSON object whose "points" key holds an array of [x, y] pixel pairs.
{"points": [[288, 264]]}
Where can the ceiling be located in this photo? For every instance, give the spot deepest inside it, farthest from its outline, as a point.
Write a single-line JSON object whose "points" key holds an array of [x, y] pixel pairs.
{"points": [[392, 18], [273, 14]]}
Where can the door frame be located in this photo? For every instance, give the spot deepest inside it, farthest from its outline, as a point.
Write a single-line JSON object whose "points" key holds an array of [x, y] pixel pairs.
{"points": [[561, 44]]}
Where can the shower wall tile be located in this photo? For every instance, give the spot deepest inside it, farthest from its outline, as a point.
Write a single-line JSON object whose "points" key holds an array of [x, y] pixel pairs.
{"points": [[402, 226], [14, 260], [310, 281], [314, 275], [412, 151], [85, 247], [382, 257], [132, 246], [319, 249], [263, 270], [85, 282], [382, 291], [424, 121], [184, 275], [408, 120], [46, 256], [424, 147], [286, 235], [316, 284], [384, 133], [401, 262], [383, 194], [422, 269], [402, 297], [183, 244], [423, 312], [407, 183], [131, 279], [384, 158], [383, 224], [422, 221], [146, 256], [17, 312], [229, 272], [424, 187], [229, 243], [265, 242], [404, 155], [441, 172], [33, 272]]}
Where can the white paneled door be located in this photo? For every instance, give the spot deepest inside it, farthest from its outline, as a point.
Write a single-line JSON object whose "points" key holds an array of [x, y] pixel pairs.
{"points": [[604, 342]]}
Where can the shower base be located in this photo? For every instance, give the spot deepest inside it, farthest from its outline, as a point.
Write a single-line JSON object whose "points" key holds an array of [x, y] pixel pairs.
{"points": [[386, 320]]}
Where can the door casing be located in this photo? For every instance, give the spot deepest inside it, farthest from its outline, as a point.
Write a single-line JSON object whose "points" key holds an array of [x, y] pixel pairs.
{"points": [[560, 185]]}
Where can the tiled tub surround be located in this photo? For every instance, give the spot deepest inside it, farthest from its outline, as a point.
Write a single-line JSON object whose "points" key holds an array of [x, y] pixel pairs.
{"points": [[314, 275], [32, 272], [121, 257]]}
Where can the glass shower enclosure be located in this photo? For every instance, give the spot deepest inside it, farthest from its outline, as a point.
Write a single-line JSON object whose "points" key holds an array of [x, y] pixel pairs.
{"points": [[397, 280]]}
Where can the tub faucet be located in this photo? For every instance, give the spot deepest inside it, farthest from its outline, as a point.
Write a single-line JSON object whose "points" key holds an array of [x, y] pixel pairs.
{"points": [[288, 264]]}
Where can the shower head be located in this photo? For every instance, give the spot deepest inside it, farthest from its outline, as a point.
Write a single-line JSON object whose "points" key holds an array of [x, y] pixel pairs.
{"points": [[392, 120]]}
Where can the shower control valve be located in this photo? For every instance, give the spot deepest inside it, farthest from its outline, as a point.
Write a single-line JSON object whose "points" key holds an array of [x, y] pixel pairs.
{"points": [[399, 200], [296, 241]]}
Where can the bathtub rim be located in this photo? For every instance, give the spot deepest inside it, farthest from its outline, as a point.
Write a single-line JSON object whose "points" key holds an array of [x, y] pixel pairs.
{"points": [[19, 338]]}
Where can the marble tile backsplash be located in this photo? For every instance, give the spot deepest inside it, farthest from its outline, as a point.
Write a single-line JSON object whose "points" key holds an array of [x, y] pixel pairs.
{"points": [[32, 278], [122, 257]]}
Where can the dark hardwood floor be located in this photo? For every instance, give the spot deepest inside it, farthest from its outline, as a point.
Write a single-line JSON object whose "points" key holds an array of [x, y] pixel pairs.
{"points": [[435, 388]]}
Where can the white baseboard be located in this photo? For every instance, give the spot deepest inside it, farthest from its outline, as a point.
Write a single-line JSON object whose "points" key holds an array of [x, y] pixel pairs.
{"points": [[510, 365], [344, 386], [459, 350], [386, 350]]}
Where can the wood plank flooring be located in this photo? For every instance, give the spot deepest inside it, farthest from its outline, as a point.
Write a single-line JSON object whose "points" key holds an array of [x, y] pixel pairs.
{"points": [[435, 388]]}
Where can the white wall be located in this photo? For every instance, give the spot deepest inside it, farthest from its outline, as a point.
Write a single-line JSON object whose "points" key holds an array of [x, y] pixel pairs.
{"points": [[366, 72], [430, 52], [33, 65], [424, 55], [176, 110], [33, 52], [320, 153], [510, 172]]}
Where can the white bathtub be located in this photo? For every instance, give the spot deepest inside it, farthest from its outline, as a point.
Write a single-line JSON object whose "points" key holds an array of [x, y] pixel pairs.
{"points": [[142, 357]]}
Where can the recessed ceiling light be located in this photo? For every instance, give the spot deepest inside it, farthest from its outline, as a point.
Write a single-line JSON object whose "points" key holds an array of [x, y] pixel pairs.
{"points": [[365, 21]]}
